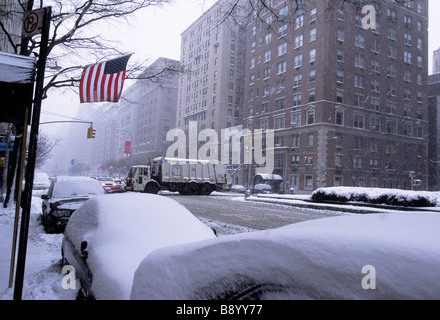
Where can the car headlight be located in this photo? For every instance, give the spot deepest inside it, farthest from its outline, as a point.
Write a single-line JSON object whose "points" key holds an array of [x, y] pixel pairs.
{"points": [[61, 213]]}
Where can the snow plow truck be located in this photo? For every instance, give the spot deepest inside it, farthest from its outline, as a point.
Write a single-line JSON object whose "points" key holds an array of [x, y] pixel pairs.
{"points": [[188, 177]]}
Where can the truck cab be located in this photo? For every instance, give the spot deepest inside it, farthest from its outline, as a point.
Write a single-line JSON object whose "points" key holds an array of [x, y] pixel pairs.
{"points": [[137, 178]]}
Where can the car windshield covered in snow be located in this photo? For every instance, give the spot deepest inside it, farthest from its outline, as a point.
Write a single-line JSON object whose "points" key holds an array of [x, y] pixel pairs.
{"points": [[74, 188]]}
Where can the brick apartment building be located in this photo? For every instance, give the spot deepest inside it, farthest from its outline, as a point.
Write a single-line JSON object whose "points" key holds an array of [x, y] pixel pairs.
{"points": [[211, 89], [348, 104]]}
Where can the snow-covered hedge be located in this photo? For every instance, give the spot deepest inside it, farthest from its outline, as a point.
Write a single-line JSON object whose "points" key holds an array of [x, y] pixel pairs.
{"points": [[393, 197]]}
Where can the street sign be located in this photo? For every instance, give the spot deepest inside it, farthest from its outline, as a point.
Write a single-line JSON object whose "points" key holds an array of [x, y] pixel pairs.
{"points": [[33, 22]]}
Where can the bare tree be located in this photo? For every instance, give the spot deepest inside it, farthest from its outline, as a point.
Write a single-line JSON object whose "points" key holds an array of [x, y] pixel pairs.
{"points": [[44, 150], [259, 8], [72, 37]]}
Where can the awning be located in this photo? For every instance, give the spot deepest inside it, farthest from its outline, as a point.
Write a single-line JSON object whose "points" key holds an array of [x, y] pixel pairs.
{"points": [[17, 74]]}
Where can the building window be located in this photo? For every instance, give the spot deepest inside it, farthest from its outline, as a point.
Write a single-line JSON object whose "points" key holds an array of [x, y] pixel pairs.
{"points": [[310, 116], [358, 81], [338, 161], [339, 117], [308, 182], [295, 119], [359, 61], [357, 163], [280, 104], [311, 95], [310, 138], [341, 35], [312, 55], [313, 14], [339, 96], [279, 123], [375, 124], [282, 31], [359, 41], [297, 80], [312, 74], [340, 76], [340, 56], [358, 100], [295, 141], [297, 61], [282, 49], [299, 22], [391, 127], [281, 67], [295, 160], [299, 41], [358, 121], [297, 99], [313, 35]]}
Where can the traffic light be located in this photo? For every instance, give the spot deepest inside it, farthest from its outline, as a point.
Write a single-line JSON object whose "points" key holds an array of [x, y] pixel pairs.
{"points": [[91, 133]]}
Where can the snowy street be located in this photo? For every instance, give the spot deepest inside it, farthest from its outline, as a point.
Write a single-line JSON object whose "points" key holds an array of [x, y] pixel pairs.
{"points": [[43, 277]]}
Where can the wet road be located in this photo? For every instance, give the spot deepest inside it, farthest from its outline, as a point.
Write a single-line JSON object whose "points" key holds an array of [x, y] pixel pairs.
{"points": [[256, 215]]}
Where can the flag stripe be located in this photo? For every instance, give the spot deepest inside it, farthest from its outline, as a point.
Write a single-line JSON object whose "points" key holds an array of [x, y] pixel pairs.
{"points": [[103, 81], [96, 82]]}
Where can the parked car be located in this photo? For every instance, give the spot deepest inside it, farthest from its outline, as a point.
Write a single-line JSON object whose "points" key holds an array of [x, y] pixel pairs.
{"points": [[107, 238], [120, 183], [110, 185], [41, 181], [65, 195], [262, 188], [376, 256], [238, 188]]}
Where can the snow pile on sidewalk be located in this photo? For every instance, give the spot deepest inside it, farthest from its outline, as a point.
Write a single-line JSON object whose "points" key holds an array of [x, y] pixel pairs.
{"points": [[393, 197], [43, 276]]}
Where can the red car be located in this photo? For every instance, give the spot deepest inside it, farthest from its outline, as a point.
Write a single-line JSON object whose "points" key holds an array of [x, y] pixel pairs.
{"points": [[110, 185]]}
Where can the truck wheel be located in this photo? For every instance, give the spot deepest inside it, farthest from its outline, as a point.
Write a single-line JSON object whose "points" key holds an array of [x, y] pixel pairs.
{"points": [[206, 189], [192, 189], [152, 188]]}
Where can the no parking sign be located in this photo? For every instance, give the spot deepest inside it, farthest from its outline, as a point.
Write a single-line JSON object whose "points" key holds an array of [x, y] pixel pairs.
{"points": [[33, 22]]}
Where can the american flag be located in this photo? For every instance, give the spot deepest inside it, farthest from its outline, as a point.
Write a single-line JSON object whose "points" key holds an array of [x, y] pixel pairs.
{"points": [[103, 81]]}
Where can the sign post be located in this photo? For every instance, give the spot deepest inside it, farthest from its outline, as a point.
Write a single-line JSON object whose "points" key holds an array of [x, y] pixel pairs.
{"points": [[38, 98]]}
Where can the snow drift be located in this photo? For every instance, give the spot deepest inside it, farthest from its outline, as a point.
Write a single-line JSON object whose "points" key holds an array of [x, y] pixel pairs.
{"points": [[395, 197]]}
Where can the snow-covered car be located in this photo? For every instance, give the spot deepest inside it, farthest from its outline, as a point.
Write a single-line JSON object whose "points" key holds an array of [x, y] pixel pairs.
{"points": [[238, 188], [262, 188], [107, 238], [41, 181], [65, 195], [376, 256], [110, 185]]}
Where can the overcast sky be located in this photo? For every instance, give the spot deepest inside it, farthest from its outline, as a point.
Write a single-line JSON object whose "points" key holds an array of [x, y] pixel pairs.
{"points": [[156, 33]]}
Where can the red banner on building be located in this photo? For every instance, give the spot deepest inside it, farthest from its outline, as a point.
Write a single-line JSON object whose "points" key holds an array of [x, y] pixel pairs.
{"points": [[127, 147]]}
